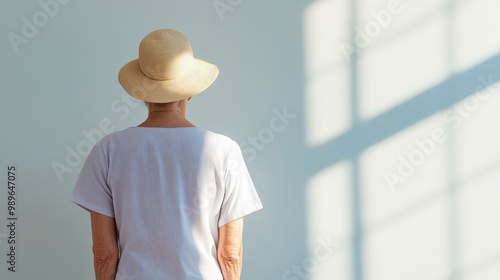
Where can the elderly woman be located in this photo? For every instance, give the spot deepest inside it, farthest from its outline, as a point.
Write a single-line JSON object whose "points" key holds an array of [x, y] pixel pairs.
{"points": [[166, 198]]}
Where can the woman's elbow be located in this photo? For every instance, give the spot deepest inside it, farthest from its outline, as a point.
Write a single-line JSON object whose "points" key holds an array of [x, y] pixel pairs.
{"points": [[231, 256], [103, 256]]}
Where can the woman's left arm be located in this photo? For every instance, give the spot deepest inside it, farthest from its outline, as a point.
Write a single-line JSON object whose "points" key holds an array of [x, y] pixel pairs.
{"points": [[105, 246]]}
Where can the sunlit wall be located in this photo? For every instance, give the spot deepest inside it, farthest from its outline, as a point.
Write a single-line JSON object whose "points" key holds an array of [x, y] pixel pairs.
{"points": [[404, 95]]}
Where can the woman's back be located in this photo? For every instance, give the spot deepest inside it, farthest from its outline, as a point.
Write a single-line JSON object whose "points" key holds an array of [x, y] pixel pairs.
{"points": [[169, 190]]}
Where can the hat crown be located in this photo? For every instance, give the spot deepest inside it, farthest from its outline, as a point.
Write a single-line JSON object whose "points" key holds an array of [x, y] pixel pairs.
{"points": [[165, 54]]}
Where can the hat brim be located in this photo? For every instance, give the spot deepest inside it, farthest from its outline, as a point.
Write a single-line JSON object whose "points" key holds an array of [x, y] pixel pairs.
{"points": [[144, 88]]}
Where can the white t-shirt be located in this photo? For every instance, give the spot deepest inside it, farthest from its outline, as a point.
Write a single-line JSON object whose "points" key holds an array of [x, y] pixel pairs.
{"points": [[169, 189]]}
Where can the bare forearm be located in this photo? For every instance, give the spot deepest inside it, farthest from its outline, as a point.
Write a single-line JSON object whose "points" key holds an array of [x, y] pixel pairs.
{"points": [[105, 269], [230, 249], [104, 246], [231, 265]]}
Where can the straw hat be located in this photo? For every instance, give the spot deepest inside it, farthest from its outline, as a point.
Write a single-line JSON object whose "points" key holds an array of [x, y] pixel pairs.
{"points": [[166, 70]]}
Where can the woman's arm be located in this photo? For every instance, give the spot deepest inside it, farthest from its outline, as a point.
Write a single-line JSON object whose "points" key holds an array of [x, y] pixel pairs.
{"points": [[230, 249], [105, 246]]}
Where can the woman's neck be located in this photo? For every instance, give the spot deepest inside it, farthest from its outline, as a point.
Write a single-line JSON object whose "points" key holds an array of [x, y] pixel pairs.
{"points": [[166, 118]]}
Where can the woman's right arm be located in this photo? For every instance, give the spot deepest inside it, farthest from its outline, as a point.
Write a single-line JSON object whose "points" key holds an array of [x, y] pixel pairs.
{"points": [[230, 249]]}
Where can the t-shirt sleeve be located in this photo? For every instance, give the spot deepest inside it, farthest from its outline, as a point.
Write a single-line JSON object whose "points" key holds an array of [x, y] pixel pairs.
{"points": [[91, 191], [240, 197]]}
